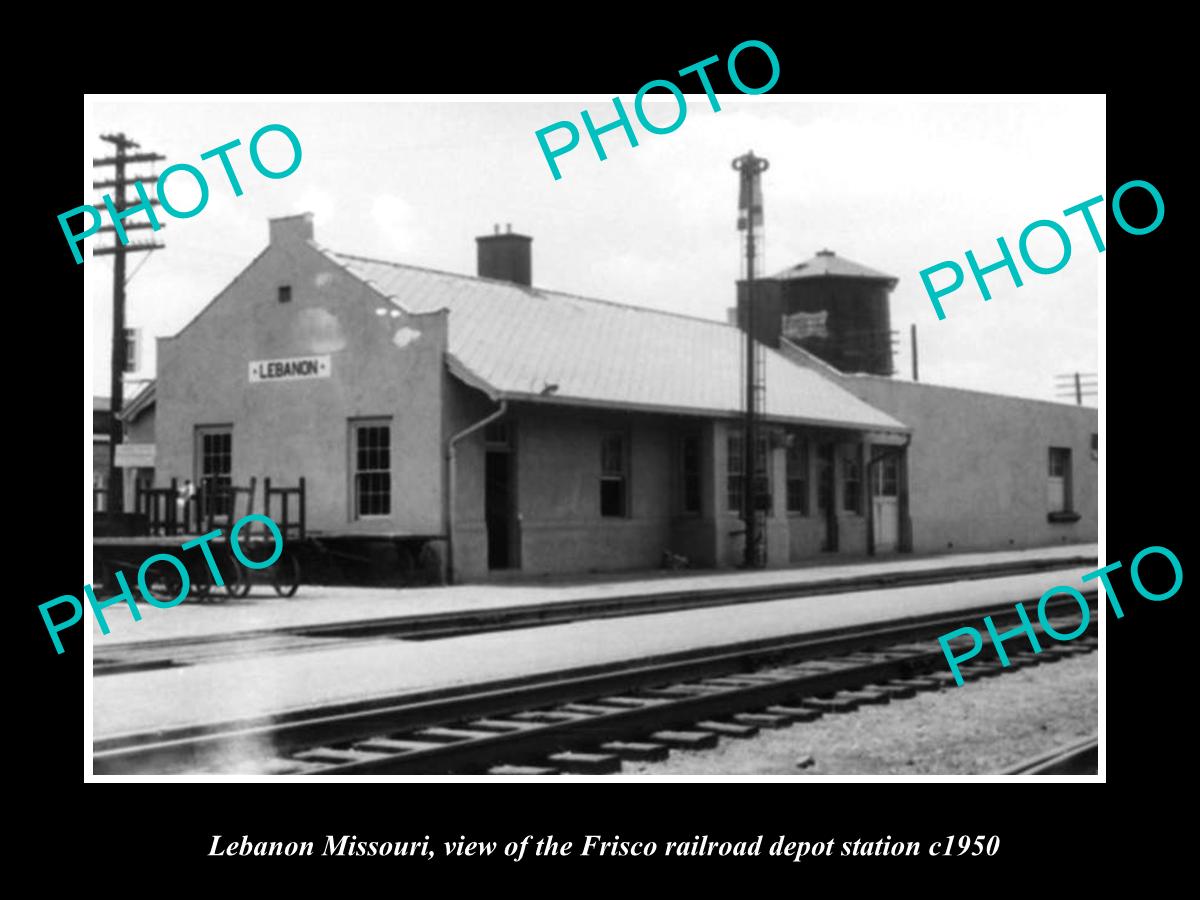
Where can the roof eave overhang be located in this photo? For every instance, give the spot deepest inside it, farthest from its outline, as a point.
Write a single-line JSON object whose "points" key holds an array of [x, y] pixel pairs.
{"points": [[472, 379], [142, 402], [697, 412], [469, 378]]}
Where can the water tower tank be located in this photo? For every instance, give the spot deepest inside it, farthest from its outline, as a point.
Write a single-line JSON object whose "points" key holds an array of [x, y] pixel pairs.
{"points": [[834, 308]]}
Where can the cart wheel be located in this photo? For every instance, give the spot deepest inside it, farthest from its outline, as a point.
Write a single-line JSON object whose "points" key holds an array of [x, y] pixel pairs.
{"points": [[232, 575], [164, 585], [236, 582], [103, 573], [287, 575]]}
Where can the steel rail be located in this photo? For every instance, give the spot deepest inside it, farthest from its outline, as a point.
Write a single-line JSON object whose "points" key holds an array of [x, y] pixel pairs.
{"points": [[1078, 758], [189, 749]]}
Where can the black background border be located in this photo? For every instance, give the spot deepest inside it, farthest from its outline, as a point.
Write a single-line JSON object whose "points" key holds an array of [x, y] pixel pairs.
{"points": [[1038, 824]]}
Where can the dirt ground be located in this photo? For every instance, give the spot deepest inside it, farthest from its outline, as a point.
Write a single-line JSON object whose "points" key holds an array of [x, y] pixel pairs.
{"points": [[980, 728]]}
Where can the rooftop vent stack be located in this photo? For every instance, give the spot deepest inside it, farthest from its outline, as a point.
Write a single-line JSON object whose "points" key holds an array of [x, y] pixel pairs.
{"points": [[507, 256]]}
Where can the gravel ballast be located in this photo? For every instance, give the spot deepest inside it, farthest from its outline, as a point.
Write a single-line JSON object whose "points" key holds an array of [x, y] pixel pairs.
{"points": [[980, 728]]}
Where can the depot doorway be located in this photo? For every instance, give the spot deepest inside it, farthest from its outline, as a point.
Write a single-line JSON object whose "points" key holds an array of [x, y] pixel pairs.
{"points": [[500, 496], [826, 496], [885, 503]]}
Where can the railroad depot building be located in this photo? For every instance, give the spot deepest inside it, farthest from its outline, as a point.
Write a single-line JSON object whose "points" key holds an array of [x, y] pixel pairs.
{"points": [[517, 428]]}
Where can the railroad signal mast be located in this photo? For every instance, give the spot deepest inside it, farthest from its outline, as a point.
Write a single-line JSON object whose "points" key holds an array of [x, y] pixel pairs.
{"points": [[750, 222], [119, 181]]}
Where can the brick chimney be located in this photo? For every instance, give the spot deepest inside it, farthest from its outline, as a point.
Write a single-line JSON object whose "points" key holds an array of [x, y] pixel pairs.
{"points": [[289, 229], [506, 256]]}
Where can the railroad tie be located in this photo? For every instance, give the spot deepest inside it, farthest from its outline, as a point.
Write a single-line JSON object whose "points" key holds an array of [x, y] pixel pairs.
{"points": [[943, 679], [774, 676], [522, 770], [897, 689], [446, 735], [500, 726], [795, 713], [637, 750], [837, 703], [974, 671], [548, 716], [586, 763], [762, 720], [920, 682], [913, 648], [631, 702], [1024, 658], [728, 729], [689, 740], [334, 755], [989, 669], [392, 745], [688, 690], [1072, 648], [278, 766], [859, 659], [815, 667], [866, 696], [591, 709], [752, 680]]}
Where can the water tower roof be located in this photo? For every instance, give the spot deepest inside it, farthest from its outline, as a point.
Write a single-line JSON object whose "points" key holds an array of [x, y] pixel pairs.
{"points": [[828, 263]]}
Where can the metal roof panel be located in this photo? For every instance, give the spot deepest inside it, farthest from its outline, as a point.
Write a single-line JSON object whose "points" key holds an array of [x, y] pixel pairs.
{"points": [[520, 340]]}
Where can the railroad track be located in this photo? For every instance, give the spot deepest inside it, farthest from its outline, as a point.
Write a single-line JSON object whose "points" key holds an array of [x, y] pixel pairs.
{"points": [[158, 654], [588, 721], [1079, 758]]}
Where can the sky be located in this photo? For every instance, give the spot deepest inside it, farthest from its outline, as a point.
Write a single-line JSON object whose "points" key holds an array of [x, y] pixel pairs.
{"points": [[896, 184]]}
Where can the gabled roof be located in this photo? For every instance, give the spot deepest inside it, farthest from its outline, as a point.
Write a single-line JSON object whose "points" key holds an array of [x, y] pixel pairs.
{"points": [[524, 343], [828, 263], [139, 404]]}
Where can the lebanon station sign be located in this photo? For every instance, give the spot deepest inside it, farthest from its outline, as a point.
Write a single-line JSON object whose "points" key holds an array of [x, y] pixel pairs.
{"points": [[293, 369]]}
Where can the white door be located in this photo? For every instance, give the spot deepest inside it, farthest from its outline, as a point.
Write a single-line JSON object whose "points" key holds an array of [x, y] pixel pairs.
{"points": [[886, 501]]}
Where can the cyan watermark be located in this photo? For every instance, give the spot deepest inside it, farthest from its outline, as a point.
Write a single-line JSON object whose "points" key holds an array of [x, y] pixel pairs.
{"points": [[1046, 266], [1026, 627], [622, 120], [184, 582], [146, 205]]}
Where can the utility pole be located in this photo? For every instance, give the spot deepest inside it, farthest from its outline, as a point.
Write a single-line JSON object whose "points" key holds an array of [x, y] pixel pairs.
{"points": [[750, 168], [913, 333], [1076, 384], [119, 181]]}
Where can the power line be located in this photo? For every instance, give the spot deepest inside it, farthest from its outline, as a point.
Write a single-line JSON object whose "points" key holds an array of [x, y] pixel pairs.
{"points": [[1077, 385], [138, 268]]}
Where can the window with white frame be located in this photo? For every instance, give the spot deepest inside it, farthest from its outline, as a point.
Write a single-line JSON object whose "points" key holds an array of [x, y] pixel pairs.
{"points": [[886, 476], [735, 473], [372, 457], [1058, 483], [132, 346]]}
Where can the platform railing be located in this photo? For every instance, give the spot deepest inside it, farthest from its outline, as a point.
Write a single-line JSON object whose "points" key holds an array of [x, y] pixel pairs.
{"points": [[291, 530], [218, 505]]}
